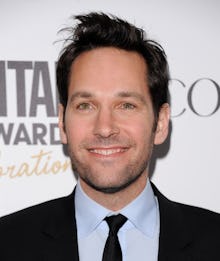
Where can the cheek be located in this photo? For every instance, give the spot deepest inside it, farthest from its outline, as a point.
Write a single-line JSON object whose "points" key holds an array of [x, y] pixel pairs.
{"points": [[141, 124], [76, 129], [138, 131], [141, 131]]}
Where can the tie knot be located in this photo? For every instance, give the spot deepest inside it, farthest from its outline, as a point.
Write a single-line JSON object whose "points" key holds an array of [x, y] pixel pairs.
{"points": [[115, 223]]}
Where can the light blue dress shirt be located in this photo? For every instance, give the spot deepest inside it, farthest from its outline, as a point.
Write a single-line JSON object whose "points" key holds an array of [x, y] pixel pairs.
{"points": [[139, 236]]}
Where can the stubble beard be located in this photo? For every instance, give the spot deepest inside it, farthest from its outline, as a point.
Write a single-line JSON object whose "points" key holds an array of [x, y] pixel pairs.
{"points": [[132, 171]]}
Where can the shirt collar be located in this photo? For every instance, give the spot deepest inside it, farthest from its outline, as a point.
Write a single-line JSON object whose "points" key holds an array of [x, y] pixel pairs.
{"points": [[141, 212], [89, 214]]}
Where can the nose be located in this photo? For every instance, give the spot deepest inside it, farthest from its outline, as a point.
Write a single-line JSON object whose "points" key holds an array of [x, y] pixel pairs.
{"points": [[105, 124]]}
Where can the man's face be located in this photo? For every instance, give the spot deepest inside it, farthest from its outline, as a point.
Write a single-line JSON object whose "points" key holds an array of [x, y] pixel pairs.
{"points": [[109, 119]]}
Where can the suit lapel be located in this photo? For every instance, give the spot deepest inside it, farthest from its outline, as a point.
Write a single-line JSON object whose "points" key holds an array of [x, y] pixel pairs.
{"points": [[175, 241], [60, 233]]}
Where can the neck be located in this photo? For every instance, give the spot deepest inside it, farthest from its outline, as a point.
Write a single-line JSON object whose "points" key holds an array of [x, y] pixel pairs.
{"points": [[118, 200]]}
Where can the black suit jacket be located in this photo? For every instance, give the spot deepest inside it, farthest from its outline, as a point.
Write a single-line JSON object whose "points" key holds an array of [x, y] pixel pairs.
{"points": [[47, 232]]}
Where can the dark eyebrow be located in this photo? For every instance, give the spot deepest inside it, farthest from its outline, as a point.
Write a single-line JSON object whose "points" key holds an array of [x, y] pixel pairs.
{"points": [[123, 94], [132, 95], [81, 94]]}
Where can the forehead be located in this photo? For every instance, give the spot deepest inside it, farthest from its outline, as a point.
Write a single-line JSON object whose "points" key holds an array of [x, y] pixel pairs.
{"points": [[108, 69]]}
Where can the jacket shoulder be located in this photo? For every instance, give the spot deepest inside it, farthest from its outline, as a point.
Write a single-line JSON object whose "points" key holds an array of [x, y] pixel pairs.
{"points": [[35, 232], [194, 229], [33, 217], [202, 221]]}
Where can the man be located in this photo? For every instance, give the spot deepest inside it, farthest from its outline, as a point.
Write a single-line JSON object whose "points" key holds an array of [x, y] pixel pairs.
{"points": [[113, 86]]}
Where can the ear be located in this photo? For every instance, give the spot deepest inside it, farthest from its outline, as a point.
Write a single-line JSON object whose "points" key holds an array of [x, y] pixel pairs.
{"points": [[61, 124], [162, 129]]}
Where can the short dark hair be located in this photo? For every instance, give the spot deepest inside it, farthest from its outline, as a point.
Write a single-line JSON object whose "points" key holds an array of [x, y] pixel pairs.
{"points": [[96, 30]]}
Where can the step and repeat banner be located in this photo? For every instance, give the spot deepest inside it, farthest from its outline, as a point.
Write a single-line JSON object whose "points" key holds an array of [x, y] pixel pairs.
{"points": [[34, 166]]}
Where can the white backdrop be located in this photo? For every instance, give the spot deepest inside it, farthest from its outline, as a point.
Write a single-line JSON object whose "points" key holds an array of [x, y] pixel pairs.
{"points": [[33, 167]]}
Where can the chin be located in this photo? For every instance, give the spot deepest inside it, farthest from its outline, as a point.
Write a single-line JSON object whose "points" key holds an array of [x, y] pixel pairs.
{"points": [[111, 188]]}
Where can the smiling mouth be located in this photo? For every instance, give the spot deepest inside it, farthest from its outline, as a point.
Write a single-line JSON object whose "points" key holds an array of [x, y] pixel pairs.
{"points": [[107, 151]]}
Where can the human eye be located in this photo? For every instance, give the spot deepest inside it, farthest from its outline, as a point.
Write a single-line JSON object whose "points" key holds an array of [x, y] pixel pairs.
{"points": [[128, 106], [84, 106]]}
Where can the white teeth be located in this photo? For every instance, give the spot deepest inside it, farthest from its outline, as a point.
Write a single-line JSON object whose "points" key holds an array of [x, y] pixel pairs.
{"points": [[106, 152]]}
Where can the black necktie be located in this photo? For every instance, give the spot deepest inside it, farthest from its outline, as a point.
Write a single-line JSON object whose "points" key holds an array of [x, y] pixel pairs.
{"points": [[112, 250]]}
